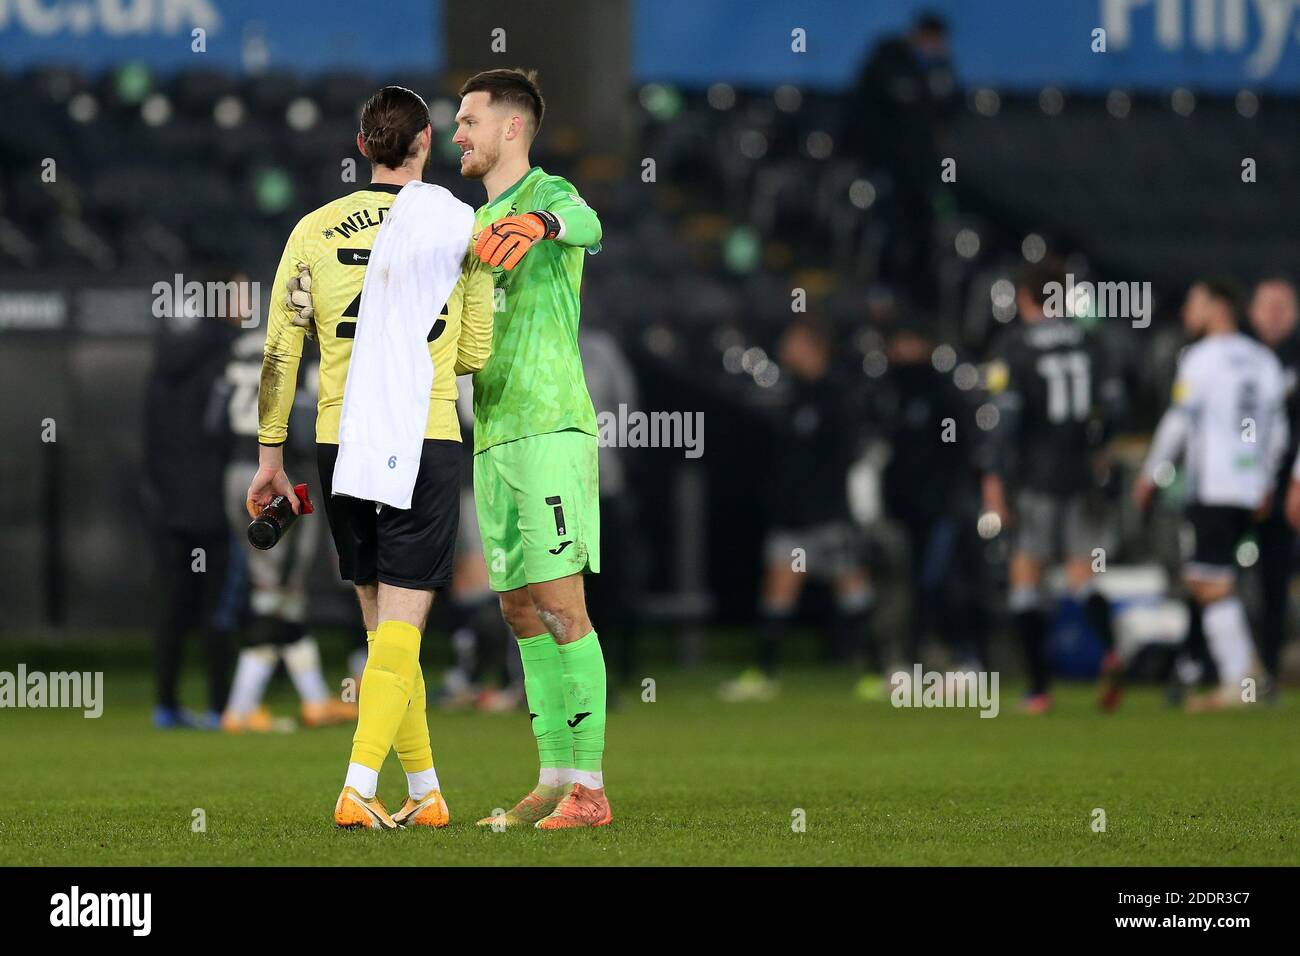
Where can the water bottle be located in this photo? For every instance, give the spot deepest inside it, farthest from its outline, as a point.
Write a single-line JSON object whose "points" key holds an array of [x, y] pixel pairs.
{"points": [[276, 519]]}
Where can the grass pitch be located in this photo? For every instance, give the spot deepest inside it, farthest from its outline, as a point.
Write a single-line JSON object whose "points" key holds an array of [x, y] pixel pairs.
{"points": [[691, 780]]}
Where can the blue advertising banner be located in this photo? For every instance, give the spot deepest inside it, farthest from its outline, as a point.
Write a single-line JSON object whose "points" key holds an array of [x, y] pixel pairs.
{"points": [[1223, 45], [244, 35]]}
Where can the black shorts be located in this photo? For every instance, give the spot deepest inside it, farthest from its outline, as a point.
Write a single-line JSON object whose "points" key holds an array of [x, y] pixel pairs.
{"points": [[412, 548], [1215, 532]]}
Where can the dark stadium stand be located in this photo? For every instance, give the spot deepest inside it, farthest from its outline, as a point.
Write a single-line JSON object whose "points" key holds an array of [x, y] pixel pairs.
{"points": [[1137, 187]]}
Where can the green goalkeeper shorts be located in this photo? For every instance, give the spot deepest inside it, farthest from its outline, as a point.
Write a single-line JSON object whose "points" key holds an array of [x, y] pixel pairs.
{"points": [[538, 504]]}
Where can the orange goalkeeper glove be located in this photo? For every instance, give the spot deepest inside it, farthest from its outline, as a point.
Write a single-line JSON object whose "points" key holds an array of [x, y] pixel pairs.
{"points": [[505, 241]]}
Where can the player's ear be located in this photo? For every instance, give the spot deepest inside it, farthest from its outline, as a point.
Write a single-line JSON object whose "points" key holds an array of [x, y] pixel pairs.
{"points": [[361, 145]]}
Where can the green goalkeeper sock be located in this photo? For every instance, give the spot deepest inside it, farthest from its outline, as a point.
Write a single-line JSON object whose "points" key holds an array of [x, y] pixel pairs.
{"points": [[584, 696], [544, 688]]}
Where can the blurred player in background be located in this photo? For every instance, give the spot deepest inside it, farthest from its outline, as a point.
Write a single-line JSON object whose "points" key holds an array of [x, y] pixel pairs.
{"points": [[185, 455], [810, 530], [1227, 424], [535, 445], [1057, 403], [324, 266], [1273, 315], [277, 578], [930, 489]]}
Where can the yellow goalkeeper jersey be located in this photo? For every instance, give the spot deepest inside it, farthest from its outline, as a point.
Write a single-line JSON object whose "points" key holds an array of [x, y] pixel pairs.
{"points": [[335, 242]]}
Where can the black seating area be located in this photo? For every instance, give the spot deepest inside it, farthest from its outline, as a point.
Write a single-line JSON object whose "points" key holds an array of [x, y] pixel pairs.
{"points": [[754, 191]]}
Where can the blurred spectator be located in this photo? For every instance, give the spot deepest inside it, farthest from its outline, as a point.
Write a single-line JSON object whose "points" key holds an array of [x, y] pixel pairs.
{"points": [[930, 489], [898, 111], [1273, 315], [810, 530], [184, 463]]}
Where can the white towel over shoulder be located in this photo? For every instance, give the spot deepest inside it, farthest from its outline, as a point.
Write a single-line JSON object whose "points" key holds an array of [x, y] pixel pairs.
{"points": [[413, 267]]}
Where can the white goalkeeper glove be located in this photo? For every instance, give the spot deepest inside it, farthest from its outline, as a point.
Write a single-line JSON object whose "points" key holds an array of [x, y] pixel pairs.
{"points": [[298, 301]]}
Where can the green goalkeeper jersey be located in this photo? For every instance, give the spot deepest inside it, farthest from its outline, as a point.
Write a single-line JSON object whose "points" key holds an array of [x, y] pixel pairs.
{"points": [[533, 383]]}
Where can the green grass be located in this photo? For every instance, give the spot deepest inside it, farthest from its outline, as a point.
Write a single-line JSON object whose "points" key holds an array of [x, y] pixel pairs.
{"points": [[692, 781]]}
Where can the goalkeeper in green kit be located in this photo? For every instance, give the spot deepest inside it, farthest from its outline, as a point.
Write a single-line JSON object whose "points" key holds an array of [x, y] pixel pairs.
{"points": [[535, 444]]}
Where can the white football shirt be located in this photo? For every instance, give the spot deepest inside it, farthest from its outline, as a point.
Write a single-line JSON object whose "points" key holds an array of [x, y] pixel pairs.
{"points": [[1231, 391]]}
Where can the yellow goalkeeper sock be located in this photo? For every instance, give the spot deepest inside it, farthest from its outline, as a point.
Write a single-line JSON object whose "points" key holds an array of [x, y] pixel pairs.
{"points": [[387, 685], [412, 740]]}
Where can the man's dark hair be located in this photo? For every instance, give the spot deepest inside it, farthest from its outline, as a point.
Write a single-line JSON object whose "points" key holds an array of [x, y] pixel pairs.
{"points": [[516, 88], [1034, 277], [931, 24], [390, 122], [1279, 278], [1226, 291]]}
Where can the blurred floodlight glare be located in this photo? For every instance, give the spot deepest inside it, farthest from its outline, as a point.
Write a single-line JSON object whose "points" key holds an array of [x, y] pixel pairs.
{"points": [[442, 114], [156, 110], [943, 358], [302, 114], [967, 243], [1033, 247], [1051, 101], [819, 144], [660, 101], [722, 96], [987, 102], [788, 99], [228, 112], [83, 108], [132, 82]]}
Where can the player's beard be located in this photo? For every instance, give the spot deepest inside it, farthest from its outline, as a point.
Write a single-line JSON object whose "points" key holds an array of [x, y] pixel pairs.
{"points": [[481, 160]]}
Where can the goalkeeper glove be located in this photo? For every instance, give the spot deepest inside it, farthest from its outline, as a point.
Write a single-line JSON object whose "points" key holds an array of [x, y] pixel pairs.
{"points": [[298, 301], [505, 241]]}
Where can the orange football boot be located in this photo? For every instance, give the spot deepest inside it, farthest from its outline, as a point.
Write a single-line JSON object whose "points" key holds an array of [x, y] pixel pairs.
{"points": [[581, 807], [256, 721], [429, 811], [1214, 701], [1036, 704], [328, 713], [354, 811], [536, 805], [1110, 686]]}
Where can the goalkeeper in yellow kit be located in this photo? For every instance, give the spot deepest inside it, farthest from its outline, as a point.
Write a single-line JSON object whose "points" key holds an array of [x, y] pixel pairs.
{"points": [[395, 557]]}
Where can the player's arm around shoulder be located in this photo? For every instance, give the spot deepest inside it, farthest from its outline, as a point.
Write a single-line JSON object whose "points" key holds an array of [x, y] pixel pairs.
{"points": [[579, 224], [473, 294], [558, 215]]}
